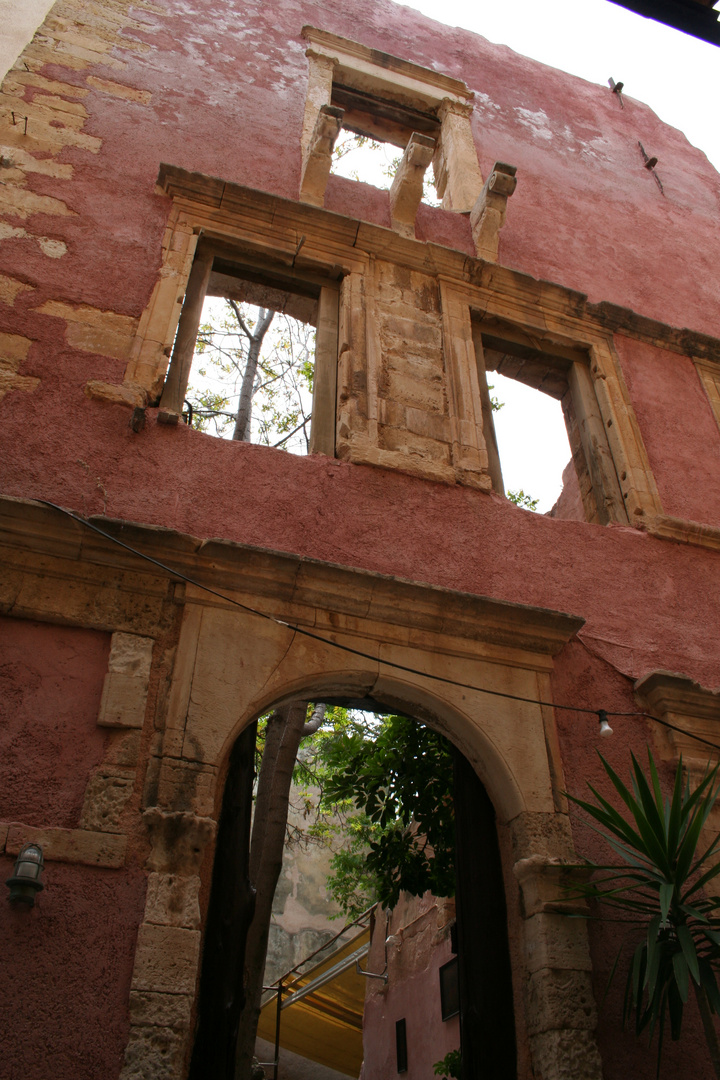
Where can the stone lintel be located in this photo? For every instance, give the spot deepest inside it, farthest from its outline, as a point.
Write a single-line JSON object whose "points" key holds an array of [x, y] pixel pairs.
{"points": [[276, 580], [69, 845], [667, 692], [351, 53], [692, 709], [685, 532]]}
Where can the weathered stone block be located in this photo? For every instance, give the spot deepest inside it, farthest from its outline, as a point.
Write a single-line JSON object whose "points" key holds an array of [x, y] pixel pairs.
{"points": [[131, 654], [187, 786], [105, 799], [126, 683], [166, 959], [154, 1053], [123, 701], [549, 835], [178, 841], [566, 1055], [13, 348], [405, 443], [69, 845], [173, 900], [548, 884], [416, 393], [558, 942], [148, 1009], [123, 749], [431, 425], [560, 999]]}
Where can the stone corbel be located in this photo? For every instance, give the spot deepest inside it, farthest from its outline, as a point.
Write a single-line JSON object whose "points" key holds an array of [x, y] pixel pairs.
{"points": [[488, 214], [316, 167], [407, 187], [686, 705], [458, 179]]}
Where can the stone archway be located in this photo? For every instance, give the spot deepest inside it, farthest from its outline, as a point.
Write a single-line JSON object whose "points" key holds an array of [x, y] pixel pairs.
{"points": [[386, 639]]}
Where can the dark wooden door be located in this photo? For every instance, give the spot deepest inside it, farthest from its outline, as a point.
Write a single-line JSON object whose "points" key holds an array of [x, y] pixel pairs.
{"points": [[487, 1022]]}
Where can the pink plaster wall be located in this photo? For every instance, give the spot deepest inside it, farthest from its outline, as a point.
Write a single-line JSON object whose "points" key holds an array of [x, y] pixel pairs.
{"points": [[51, 679], [412, 993], [66, 972], [678, 427]]}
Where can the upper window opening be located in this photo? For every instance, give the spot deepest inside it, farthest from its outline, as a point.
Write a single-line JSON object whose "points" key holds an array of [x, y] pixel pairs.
{"points": [[251, 341], [386, 121], [528, 440], [391, 101], [359, 157]]}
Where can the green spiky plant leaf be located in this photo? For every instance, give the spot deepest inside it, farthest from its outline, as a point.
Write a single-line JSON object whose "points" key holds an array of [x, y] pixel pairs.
{"points": [[660, 889]]}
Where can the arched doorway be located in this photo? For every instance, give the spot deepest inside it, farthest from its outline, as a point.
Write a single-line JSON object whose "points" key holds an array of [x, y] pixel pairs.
{"points": [[484, 977], [475, 669]]}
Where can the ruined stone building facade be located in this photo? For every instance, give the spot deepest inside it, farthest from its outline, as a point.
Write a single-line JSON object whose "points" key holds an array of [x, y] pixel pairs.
{"points": [[155, 149]]}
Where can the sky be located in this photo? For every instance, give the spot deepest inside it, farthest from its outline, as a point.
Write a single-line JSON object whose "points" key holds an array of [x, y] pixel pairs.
{"points": [[676, 75]]}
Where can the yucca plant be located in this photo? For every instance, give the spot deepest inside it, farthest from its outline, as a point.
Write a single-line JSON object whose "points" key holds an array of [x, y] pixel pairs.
{"points": [[661, 891]]}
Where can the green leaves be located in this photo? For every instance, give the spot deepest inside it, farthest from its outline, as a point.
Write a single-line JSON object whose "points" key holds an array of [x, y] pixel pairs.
{"points": [[399, 776], [656, 837]]}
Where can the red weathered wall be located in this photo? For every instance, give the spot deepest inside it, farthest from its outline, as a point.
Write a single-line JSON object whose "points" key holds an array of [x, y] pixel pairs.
{"points": [[67, 962], [51, 679], [412, 958], [680, 433], [66, 972], [227, 99]]}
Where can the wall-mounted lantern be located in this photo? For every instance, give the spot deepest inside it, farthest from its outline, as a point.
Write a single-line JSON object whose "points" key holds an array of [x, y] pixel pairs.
{"points": [[25, 881]]}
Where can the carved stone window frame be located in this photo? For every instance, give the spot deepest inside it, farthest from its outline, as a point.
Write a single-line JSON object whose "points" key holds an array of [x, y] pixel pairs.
{"points": [[345, 252], [336, 62], [565, 372]]}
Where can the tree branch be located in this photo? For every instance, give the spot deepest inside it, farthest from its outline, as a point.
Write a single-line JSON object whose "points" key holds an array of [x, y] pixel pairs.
{"points": [[318, 714]]}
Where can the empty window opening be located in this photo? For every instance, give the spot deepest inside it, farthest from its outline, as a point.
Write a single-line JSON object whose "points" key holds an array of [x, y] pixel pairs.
{"points": [[547, 441], [532, 442], [255, 354], [359, 157], [374, 136], [252, 375]]}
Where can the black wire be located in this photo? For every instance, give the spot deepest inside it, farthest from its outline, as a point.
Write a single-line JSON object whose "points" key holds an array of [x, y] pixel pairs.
{"points": [[359, 652]]}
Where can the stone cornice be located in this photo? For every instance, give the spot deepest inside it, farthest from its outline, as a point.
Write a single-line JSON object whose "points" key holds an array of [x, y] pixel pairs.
{"points": [[270, 225], [287, 586]]}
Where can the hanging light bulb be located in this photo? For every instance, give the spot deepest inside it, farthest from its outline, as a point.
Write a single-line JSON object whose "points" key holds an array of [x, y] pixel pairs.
{"points": [[605, 729]]}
